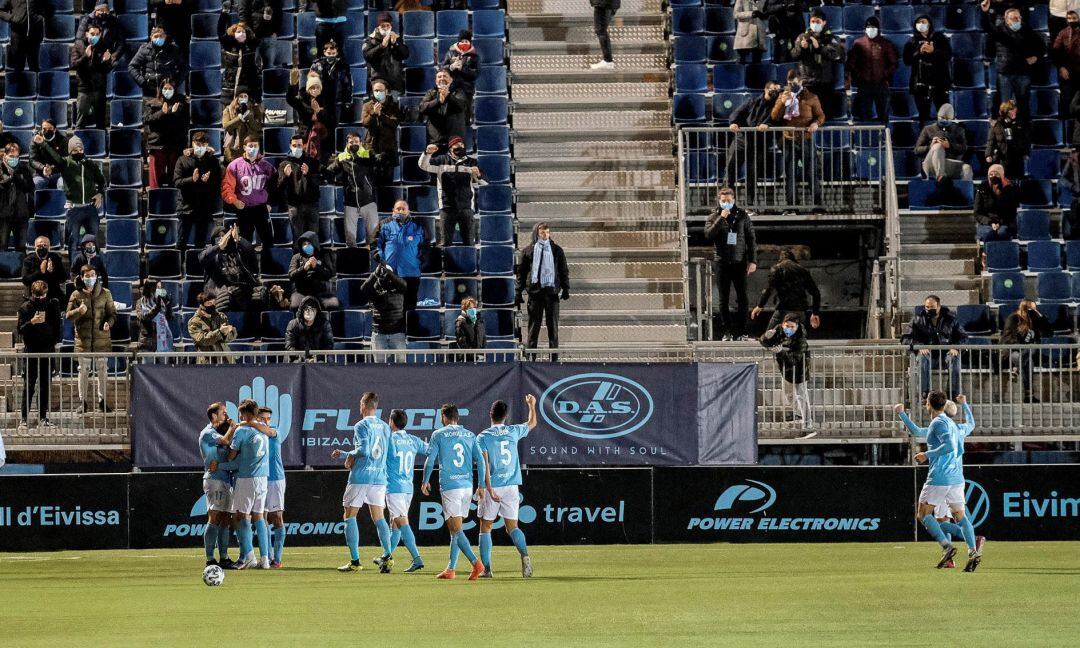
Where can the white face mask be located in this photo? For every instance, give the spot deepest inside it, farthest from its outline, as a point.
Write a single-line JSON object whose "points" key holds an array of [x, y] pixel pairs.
{"points": [[200, 151], [871, 32], [922, 27]]}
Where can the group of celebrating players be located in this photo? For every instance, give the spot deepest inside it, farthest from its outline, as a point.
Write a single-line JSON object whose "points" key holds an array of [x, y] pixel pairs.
{"points": [[244, 484]]}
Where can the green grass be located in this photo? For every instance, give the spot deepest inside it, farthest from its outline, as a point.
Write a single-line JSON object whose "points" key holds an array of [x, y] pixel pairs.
{"points": [[1025, 594]]}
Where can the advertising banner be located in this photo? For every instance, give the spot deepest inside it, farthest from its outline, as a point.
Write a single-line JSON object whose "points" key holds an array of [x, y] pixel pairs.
{"points": [[47, 512], [727, 414]]}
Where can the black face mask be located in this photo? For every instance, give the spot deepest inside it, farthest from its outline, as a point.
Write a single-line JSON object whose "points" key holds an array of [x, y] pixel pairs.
{"points": [[771, 96], [40, 299], [78, 157], [48, 134], [211, 308], [354, 148], [995, 180], [42, 252], [1075, 25], [458, 152], [931, 313]]}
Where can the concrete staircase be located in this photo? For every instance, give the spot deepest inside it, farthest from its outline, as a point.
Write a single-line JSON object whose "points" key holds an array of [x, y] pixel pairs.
{"points": [[939, 256], [593, 158]]}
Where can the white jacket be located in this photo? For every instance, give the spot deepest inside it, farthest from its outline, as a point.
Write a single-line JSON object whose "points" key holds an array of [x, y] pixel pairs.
{"points": [[1060, 7]]}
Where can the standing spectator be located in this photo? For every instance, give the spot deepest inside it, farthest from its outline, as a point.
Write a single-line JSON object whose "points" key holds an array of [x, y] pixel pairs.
{"points": [[796, 292], [310, 330], [935, 326], [785, 22], [545, 276], [311, 270], [996, 202], [380, 117], [1016, 50], [197, 175], [167, 121], [27, 19], [1009, 143], [384, 52], [337, 95], [943, 145], [314, 118], [263, 16], [455, 174], [154, 311], [88, 256], [445, 111], [229, 266], [84, 186], [603, 13], [750, 148], [1070, 180], [40, 328], [44, 265], [731, 232], [241, 119], [90, 308], [46, 175], [92, 63], [798, 107], [469, 331], [113, 36], [403, 245], [1027, 326], [156, 61], [353, 169], [241, 65], [750, 35], [818, 51], [210, 330], [871, 64], [463, 63], [175, 17], [16, 199], [298, 179], [330, 20], [387, 292], [929, 54], [246, 187], [788, 341], [1066, 56]]}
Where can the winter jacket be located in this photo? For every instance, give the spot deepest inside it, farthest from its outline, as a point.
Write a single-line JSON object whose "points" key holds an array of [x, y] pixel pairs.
{"points": [[31, 272], [402, 245], [465, 78], [1040, 327], [89, 336], [871, 60], [792, 353], [1009, 141], [718, 230], [151, 65], [263, 16], [316, 281], [954, 132], [198, 200], [16, 193], [82, 179], [928, 70], [386, 290], [243, 60], [455, 177], [754, 112], [95, 262], [26, 15], [205, 331], [257, 193], [386, 62], [175, 19], [381, 129], [317, 337], [792, 284], [113, 36], [810, 112], [817, 66], [524, 269], [1000, 208], [444, 119], [923, 331], [166, 130], [1066, 50], [307, 118], [750, 28], [469, 335], [91, 72], [298, 188], [236, 265], [38, 159], [40, 338], [353, 171], [1010, 49], [337, 83], [238, 125], [329, 8], [147, 311]]}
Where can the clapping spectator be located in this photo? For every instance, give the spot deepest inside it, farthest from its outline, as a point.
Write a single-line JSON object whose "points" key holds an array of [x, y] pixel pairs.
{"points": [[90, 308], [112, 36], [40, 328], [996, 202], [445, 111], [1016, 50], [455, 173], [46, 175], [337, 83], [154, 311], [210, 330], [16, 198], [818, 51], [380, 117], [929, 54], [246, 187], [732, 233], [46, 266], [92, 62], [943, 145], [469, 331], [353, 169], [197, 175], [157, 60], [1066, 56], [27, 19], [870, 66], [299, 178], [315, 119], [88, 256], [1027, 326], [751, 36], [1009, 143], [241, 119], [241, 65], [403, 245], [229, 266], [311, 270], [167, 121], [84, 187], [936, 325], [386, 290], [310, 330], [787, 341], [463, 63], [384, 52]]}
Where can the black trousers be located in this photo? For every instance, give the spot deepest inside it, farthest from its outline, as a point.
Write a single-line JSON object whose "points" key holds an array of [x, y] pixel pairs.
{"points": [[202, 232], [38, 376], [781, 311], [303, 218], [601, 21], [936, 95], [329, 31], [728, 275], [412, 289], [257, 219], [23, 48], [872, 97], [91, 110], [543, 308], [463, 219]]}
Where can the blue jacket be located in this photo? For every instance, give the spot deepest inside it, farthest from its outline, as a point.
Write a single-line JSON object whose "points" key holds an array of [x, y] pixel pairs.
{"points": [[402, 245]]}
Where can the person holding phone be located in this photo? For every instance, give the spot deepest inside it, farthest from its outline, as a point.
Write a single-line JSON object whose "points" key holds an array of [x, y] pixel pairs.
{"points": [[40, 328]]}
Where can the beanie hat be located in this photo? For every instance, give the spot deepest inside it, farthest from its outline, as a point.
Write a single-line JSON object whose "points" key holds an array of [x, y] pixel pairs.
{"points": [[73, 143]]}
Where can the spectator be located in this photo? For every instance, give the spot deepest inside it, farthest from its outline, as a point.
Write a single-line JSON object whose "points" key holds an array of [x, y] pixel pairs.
{"points": [[818, 51], [545, 276], [154, 311], [84, 187], [330, 20], [157, 60], [731, 231], [27, 19], [47, 266], [749, 149], [384, 52], [46, 175], [241, 119], [387, 292], [167, 121], [113, 37], [380, 117], [788, 341], [444, 110], [175, 17], [929, 54], [229, 265], [1070, 180], [88, 256], [90, 308], [314, 118], [40, 328], [603, 13], [1066, 56], [263, 16], [935, 326], [996, 202], [246, 186], [211, 332], [1009, 143], [455, 174], [785, 23], [750, 34], [337, 94], [310, 331], [870, 66], [1016, 49], [311, 270], [1027, 326], [469, 331], [92, 62], [16, 199], [463, 63], [352, 169], [197, 175], [798, 107], [241, 65], [298, 179], [796, 292], [943, 146], [403, 245]]}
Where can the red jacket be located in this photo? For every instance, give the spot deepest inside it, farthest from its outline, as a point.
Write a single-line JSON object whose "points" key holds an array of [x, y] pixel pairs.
{"points": [[871, 60], [1066, 50]]}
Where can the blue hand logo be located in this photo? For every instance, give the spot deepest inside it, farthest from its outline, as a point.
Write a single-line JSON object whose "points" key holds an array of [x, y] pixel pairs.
{"points": [[266, 396]]}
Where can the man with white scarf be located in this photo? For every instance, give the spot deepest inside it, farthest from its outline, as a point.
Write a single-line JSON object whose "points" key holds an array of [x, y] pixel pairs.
{"points": [[544, 274]]}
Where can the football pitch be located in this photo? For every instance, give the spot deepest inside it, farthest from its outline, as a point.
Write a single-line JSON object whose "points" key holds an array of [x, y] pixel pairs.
{"points": [[1024, 594]]}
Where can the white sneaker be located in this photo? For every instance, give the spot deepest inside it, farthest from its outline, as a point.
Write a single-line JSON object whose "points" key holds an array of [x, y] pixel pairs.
{"points": [[264, 562], [526, 567], [809, 435], [603, 65], [249, 562]]}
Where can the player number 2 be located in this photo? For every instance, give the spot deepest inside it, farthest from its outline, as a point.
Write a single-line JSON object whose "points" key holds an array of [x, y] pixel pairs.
{"points": [[504, 453], [261, 442], [459, 459]]}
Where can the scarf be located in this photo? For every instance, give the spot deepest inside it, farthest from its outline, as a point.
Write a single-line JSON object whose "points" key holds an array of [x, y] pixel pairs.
{"points": [[791, 108], [543, 264]]}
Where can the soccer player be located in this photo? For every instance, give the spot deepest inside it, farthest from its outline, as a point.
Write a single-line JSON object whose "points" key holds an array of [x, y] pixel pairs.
{"points": [[499, 444], [367, 482], [455, 450], [217, 483], [249, 447], [400, 464], [275, 494]]}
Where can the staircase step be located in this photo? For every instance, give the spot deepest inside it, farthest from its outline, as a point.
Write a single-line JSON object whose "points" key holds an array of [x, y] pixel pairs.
{"points": [[612, 301], [569, 180], [606, 285], [585, 163], [529, 94], [592, 120], [939, 251], [936, 267], [655, 62], [571, 334], [621, 74], [622, 240], [529, 37], [589, 47], [596, 270], [526, 150], [601, 211], [576, 7], [910, 298]]}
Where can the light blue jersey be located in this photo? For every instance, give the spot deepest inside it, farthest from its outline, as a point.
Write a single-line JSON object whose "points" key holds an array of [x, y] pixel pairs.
{"points": [[455, 450], [211, 450], [500, 442], [254, 457], [944, 448], [371, 437], [277, 468], [401, 461]]}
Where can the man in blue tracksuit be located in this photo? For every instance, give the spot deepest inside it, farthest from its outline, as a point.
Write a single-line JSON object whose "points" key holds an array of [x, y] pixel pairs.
{"points": [[402, 244]]}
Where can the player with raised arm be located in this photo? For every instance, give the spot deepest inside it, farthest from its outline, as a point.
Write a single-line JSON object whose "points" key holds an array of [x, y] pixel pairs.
{"points": [[275, 494], [214, 440], [367, 480], [400, 466], [249, 448], [455, 450], [499, 445]]}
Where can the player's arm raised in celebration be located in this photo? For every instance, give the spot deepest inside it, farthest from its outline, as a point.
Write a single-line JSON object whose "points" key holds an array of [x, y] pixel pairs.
{"points": [[530, 400], [916, 431], [968, 426]]}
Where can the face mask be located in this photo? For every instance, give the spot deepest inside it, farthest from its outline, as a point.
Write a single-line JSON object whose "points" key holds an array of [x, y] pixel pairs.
{"points": [[931, 313], [464, 47], [943, 123], [995, 180], [383, 31], [161, 292], [296, 151], [200, 151], [922, 27], [40, 298], [42, 252], [1074, 25], [210, 308], [90, 250], [871, 32], [817, 27], [91, 282], [94, 40], [796, 88], [309, 314], [790, 332], [158, 42], [1015, 26], [241, 36], [331, 58], [308, 249], [168, 94], [458, 152], [354, 148], [380, 96], [398, 216], [770, 96], [242, 101], [78, 156], [48, 134], [470, 313], [13, 162], [251, 151], [442, 85], [726, 205]]}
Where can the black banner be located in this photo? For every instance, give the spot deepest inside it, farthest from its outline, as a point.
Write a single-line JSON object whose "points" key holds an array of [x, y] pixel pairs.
{"points": [[47, 512]]}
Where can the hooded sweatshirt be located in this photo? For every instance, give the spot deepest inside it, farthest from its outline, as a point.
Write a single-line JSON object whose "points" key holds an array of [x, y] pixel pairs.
{"points": [[792, 283], [928, 69], [95, 261], [319, 336], [386, 290], [314, 282]]}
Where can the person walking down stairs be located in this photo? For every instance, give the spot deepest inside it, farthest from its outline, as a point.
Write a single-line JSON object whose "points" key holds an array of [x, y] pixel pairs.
{"points": [[603, 13]]}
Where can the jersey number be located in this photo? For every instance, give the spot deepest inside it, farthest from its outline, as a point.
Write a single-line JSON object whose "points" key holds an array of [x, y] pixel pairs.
{"points": [[261, 442], [376, 448], [504, 453], [249, 184], [459, 458], [406, 460]]}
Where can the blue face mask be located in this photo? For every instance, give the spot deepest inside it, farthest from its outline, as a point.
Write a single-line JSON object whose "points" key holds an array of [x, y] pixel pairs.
{"points": [[943, 123], [94, 40], [790, 332], [161, 292], [1015, 26], [91, 282], [242, 101], [13, 162], [296, 151], [158, 42], [252, 151], [168, 94], [817, 27], [470, 313], [380, 96], [726, 205], [308, 249]]}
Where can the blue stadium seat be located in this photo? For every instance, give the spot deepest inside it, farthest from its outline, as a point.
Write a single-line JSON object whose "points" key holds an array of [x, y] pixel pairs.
{"points": [[122, 234], [975, 319], [492, 51], [978, 130], [130, 6], [424, 199], [1044, 102], [1033, 225], [855, 16], [498, 323], [53, 85], [692, 77], [496, 228], [720, 20], [449, 22], [967, 45], [495, 198], [897, 19], [421, 53], [497, 291], [93, 142], [49, 203], [904, 133], [496, 260], [125, 113], [277, 266], [1076, 286], [50, 229], [54, 56], [1043, 256], [353, 262], [495, 168], [350, 294], [125, 173], [688, 108], [1072, 255], [204, 26], [205, 55], [971, 104], [125, 142], [1057, 314], [493, 139], [120, 85], [413, 138], [162, 201], [205, 113], [1006, 286], [962, 17], [1036, 193], [417, 80], [902, 106], [726, 77], [278, 53], [121, 203], [136, 27], [161, 232], [1046, 133], [721, 49], [356, 324], [687, 21], [868, 164], [163, 264], [273, 324], [275, 82], [276, 140], [725, 103], [418, 24], [18, 114], [1002, 256], [305, 25], [758, 74], [929, 194], [1044, 164], [701, 167], [489, 23], [968, 73], [60, 28], [20, 85], [424, 324], [490, 110], [491, 81], [429, 292], [1054, 286], [456, 289], [122, 292], [459, 260], [123, 265], [1044, 75], [359, 78], [54, 110]]}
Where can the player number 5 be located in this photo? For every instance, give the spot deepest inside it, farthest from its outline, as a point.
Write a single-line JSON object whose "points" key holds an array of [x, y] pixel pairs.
{"points": [[504, 452]]}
